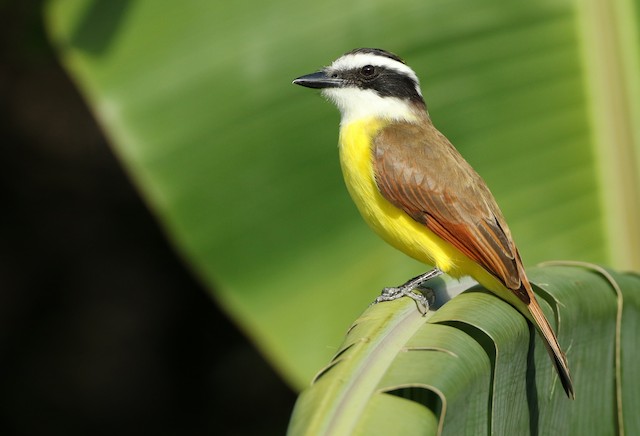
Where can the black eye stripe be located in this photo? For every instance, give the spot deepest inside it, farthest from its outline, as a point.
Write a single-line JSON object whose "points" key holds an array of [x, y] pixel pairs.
{"points": [[385, 81]]}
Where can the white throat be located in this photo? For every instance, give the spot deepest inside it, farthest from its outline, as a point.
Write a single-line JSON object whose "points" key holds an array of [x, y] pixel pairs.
{"points": [[357, 104]]}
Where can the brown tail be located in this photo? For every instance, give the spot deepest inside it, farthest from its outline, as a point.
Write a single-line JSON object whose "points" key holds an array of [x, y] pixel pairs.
{"points": [[551, 343]]}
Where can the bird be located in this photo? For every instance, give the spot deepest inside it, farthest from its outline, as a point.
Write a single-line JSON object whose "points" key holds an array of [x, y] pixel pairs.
{"points": [[417, 192]]}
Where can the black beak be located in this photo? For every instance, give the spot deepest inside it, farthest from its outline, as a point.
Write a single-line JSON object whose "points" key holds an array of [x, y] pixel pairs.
{"points": [[318, 80]]}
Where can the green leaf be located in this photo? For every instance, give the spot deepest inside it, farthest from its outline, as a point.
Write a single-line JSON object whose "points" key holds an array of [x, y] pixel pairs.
{"points": [[469, 367], [240, 167]]}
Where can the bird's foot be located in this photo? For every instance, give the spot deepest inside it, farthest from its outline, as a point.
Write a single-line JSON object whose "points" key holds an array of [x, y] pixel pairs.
{"points": [[390, 294], [408, 289]]}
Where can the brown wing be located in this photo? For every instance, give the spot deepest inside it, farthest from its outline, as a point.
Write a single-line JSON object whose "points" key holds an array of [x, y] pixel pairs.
{"points": [[432, 183]]}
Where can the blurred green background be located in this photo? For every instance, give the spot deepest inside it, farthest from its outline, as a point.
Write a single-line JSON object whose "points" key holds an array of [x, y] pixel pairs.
{"points": [[103, 329], [239, 169]]}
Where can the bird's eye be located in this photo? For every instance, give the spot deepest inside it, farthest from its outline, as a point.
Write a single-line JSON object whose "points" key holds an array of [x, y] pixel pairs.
{"points": [[368, 70], [334, 76]]}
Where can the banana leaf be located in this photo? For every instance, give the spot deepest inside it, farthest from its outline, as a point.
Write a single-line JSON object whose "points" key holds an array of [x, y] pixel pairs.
{"points": [[474, 365]]}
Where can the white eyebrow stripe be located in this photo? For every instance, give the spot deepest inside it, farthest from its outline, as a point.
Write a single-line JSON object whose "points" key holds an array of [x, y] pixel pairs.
{"points": [[359, 60]]}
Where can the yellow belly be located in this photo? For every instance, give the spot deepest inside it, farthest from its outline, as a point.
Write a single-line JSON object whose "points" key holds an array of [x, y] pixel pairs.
{"points": [[389, 222]]}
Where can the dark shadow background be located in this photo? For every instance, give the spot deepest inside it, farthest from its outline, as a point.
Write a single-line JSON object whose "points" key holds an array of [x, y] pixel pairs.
{"points": [[102, 329]]}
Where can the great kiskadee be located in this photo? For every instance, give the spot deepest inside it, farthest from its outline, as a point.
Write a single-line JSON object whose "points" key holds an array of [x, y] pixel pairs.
{"points": [[415, 189]]}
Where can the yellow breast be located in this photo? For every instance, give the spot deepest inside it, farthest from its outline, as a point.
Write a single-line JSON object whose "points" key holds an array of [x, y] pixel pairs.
{"points": [[389, 222]]}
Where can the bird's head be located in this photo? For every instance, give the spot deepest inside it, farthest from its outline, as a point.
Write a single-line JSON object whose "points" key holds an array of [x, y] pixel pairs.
{"points": [[369, 83]]}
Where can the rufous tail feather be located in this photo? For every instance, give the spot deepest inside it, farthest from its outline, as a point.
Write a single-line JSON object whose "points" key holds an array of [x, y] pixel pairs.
{"points": [[551, 343]]}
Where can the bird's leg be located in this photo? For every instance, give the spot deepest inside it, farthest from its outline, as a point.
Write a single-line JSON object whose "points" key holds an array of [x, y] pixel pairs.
{"points": [[408, 290]]}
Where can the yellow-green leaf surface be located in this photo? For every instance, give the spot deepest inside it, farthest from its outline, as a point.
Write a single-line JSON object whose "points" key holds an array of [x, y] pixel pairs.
{"points": [[470, 367], [241, 167]]}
